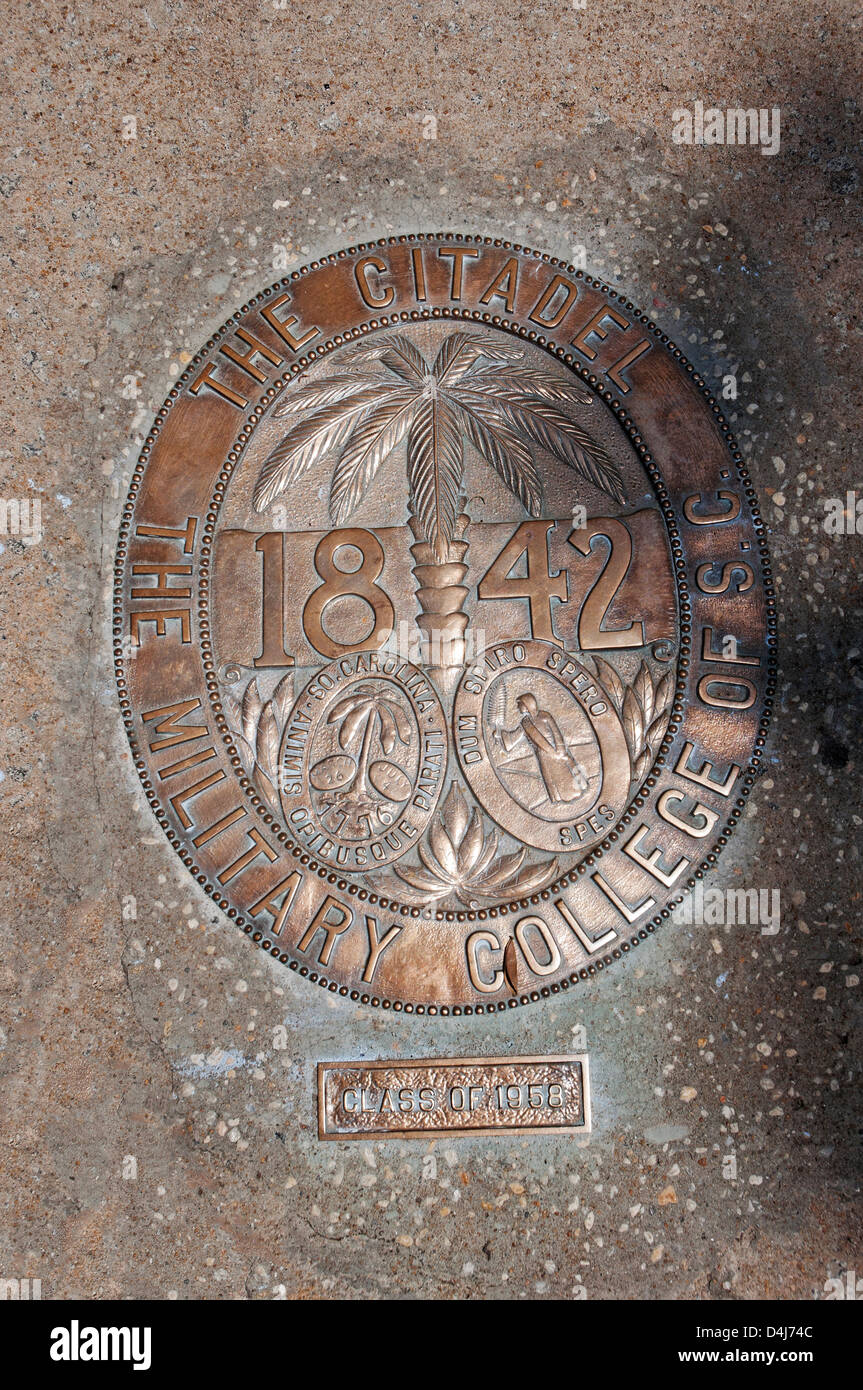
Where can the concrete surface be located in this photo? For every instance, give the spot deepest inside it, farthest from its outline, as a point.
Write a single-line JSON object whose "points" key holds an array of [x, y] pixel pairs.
{"points": [[140, 1034]]}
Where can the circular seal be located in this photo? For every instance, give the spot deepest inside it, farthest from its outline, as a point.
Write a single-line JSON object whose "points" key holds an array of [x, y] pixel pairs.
{"points": [[443, 624]]}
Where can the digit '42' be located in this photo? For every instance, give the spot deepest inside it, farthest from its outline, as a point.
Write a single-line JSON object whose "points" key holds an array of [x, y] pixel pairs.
{"points": [[539, 586]]}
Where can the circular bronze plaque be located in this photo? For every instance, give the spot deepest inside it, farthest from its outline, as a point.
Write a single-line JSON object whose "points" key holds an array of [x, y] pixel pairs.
{"points": [[443, 624]]}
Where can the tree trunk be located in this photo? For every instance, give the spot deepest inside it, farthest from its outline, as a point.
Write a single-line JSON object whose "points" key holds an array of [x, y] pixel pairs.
{"points": [[360, 784], [441, 595]]}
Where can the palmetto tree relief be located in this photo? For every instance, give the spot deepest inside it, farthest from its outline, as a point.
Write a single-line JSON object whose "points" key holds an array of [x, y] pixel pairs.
{"points": [[355, 780], [476, 389]]}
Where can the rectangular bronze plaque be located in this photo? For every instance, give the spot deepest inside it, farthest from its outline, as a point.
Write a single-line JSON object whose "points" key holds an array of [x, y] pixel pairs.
{"points": [[434, 1097]]}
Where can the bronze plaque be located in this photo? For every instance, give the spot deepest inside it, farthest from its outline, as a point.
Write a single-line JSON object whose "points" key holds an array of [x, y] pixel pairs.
{"points": [[444, 624], [435, 1098]]}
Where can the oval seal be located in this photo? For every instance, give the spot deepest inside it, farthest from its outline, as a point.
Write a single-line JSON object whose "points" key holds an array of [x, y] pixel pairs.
{"points": [[362, 761], [542, 745], [444, 624]]}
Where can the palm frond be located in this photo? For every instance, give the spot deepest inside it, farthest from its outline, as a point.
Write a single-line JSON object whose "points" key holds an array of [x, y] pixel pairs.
{"points": [[413, 885], [387, 727], [374, 438], [501, 870], [308, 441], [345, 705], [528, 381], [489, 850], [402, 723], [435, 471], [283, 698], [471, 845], [442, 848], [251, 712], [643, 687], [459, 352], [509, 456], [610, 679], [353, 722], [544, 423], [396, 351], [315, 394], [530, 879], [455, 813], [267, 743], [498, 703]]}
